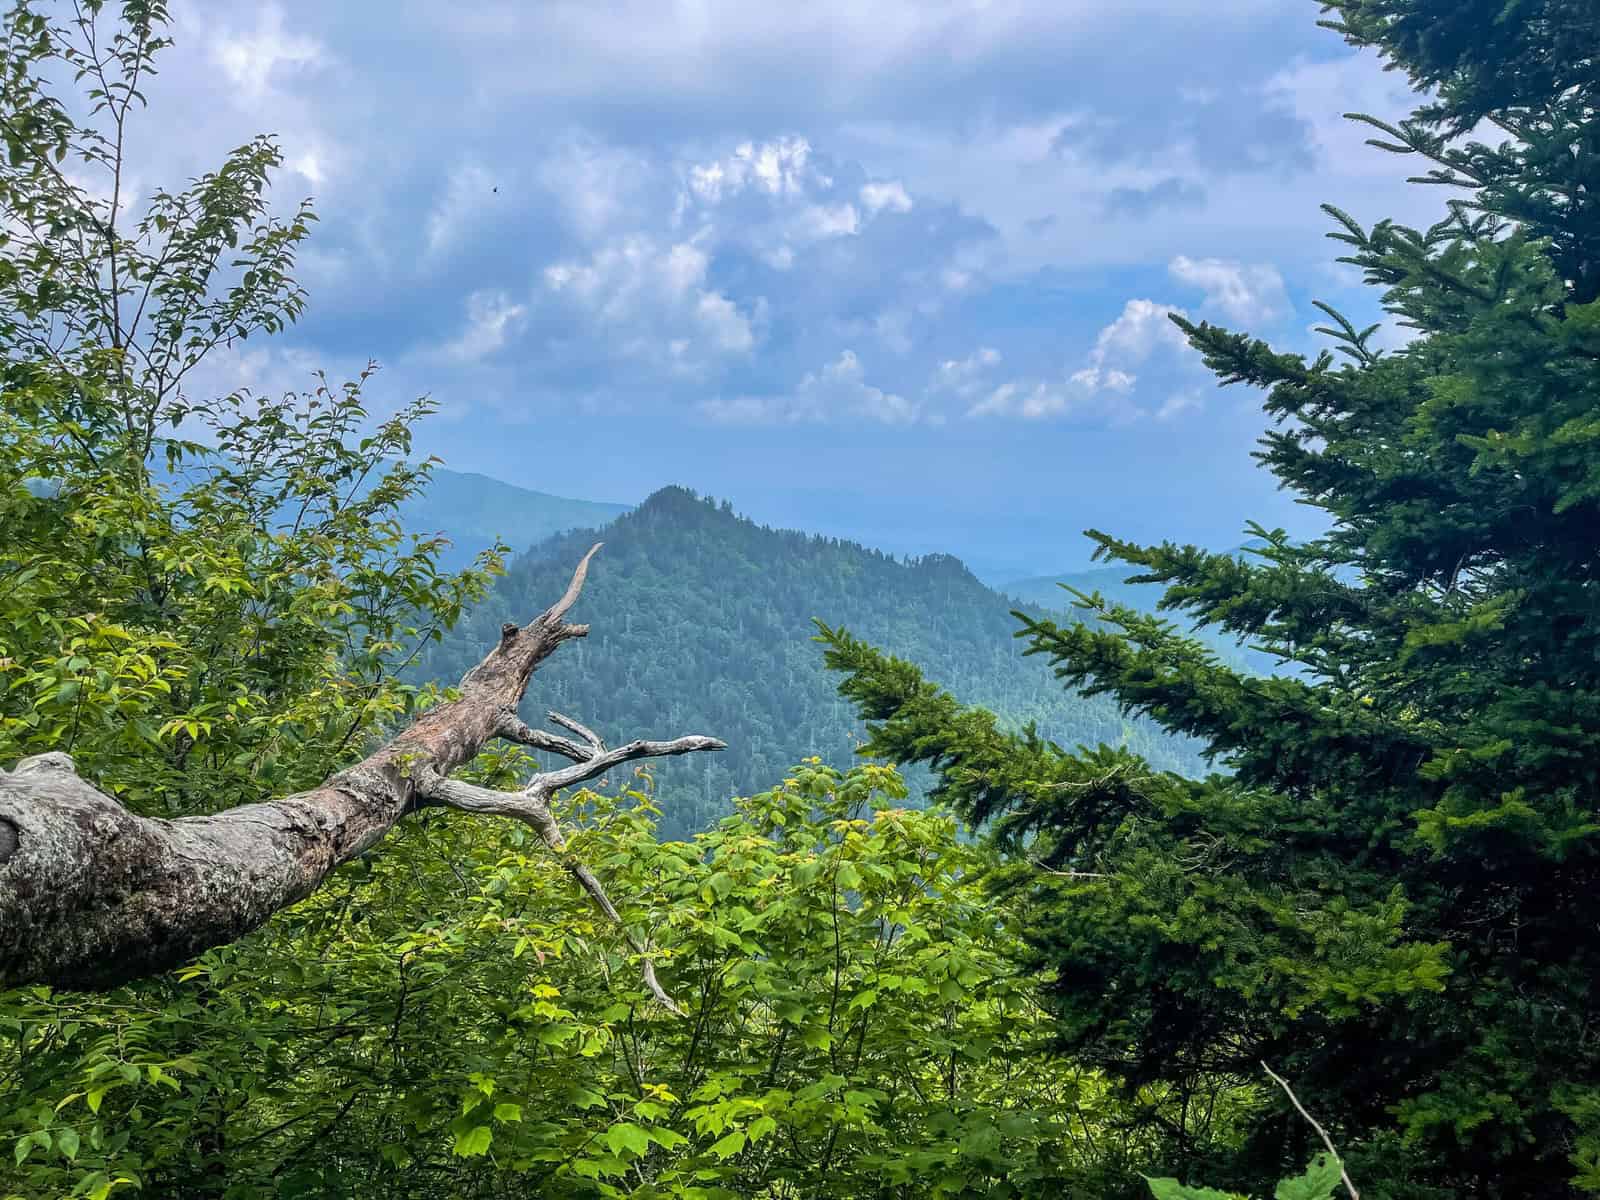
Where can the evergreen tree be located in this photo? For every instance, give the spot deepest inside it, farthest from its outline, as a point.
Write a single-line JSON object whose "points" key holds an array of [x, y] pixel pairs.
{"points": [[1393, 894]]}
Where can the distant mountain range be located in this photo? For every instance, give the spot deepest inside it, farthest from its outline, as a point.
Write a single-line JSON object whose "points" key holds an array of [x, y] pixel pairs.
{"points": [[701, 623], [1047, 591], [473, 510]]}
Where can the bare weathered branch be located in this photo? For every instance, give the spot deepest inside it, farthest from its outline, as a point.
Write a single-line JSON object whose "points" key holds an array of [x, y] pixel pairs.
{"points": [[92, 895], [582, 731], [1321, 1132], [514, 729], [549, 782]]}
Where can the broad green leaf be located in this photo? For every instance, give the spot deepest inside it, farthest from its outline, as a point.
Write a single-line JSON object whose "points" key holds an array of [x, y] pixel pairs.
{"points": [[474, 1141], [1321, 1180]]}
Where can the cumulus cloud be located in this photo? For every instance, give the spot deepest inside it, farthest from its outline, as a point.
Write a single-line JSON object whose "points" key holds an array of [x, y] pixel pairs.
{"points": [[780, 196], [842, 388], [778, 168], [251, 59], [1244, 293], [890, 195], [491, 319], [1140, 329], [1103, 389], [966, 376], [657, 296], [1029, 400], [819, 221], [839, 392]]}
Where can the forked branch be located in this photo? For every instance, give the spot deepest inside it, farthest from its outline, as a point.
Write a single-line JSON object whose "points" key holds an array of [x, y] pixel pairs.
{"points": [[92, 896]]}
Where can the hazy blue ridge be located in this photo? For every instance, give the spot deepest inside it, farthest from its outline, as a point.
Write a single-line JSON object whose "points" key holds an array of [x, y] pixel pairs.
{"points": [[473, 510]]}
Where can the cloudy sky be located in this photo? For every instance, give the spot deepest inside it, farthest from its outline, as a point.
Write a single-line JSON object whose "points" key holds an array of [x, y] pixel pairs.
{"points": [[897, 271]]}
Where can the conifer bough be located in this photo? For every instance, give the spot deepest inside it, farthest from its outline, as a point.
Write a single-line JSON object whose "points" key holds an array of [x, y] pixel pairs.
{"points": [[92, 895]]}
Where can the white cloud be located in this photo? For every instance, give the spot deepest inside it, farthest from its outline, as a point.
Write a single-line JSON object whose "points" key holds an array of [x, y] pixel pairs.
{"points": [[1320, 93], [727, 327], [1104, 379], [965, 376], [841, 388], [658, 295], [309, 166], [1018, 398], [778, 168], [1139, 330], [1036, 399], [1102, 389], [491, 318], [755, 410], [467, 195], [250, 60], [1178, 402], [889, 195], [598, 185], [1245, 293], [788, 200], [838, 392], [820, 221]]}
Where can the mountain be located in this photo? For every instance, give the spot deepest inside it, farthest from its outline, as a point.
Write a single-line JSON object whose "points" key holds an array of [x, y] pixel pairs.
{"points": [[473, 510], [1112, 583], [701, 623]]}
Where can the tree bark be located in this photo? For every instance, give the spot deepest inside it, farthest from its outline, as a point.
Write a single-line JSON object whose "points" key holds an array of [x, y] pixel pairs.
{"points": [[92, 896]]}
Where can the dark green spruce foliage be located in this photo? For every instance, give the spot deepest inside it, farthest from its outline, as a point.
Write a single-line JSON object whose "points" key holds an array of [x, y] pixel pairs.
{"points": [[701, 622], [1116, 584], [1393, 895]]}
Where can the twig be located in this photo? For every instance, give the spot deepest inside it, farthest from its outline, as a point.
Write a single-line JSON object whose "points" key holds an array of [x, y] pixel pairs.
{"points": [[1069, 874], [1321, 1132]]}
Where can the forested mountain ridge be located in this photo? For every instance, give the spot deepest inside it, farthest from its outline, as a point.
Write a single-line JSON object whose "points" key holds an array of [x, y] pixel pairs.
{"points": [[702, 623]]}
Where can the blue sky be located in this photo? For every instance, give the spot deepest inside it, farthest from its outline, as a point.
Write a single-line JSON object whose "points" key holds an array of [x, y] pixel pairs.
{"points": [[896, 271]]}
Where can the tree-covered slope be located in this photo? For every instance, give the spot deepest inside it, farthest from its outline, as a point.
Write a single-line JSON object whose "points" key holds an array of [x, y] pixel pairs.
{"points": [[702, 623]]}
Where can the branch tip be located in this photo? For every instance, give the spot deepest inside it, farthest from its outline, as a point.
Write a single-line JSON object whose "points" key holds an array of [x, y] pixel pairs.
{"points": [[556, 611]]}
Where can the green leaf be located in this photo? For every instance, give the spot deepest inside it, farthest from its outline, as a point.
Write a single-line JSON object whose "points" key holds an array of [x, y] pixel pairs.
{"points": [[727, 1146], [627, 1136], [474, 1141], [1171, 1189], [67, 1142], [1321, 1180]]}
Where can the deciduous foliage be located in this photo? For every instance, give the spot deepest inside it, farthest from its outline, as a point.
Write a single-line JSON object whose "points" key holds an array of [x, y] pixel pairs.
{"points": [[451, 1019], [1391, 894], [204, 598]]}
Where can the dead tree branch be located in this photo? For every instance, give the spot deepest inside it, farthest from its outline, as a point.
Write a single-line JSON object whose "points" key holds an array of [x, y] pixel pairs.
{"points": [[92, 895], [1321, 1132]]}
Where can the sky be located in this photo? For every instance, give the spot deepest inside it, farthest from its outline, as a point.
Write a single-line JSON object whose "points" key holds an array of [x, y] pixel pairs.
{"points": [[896, 271]]}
